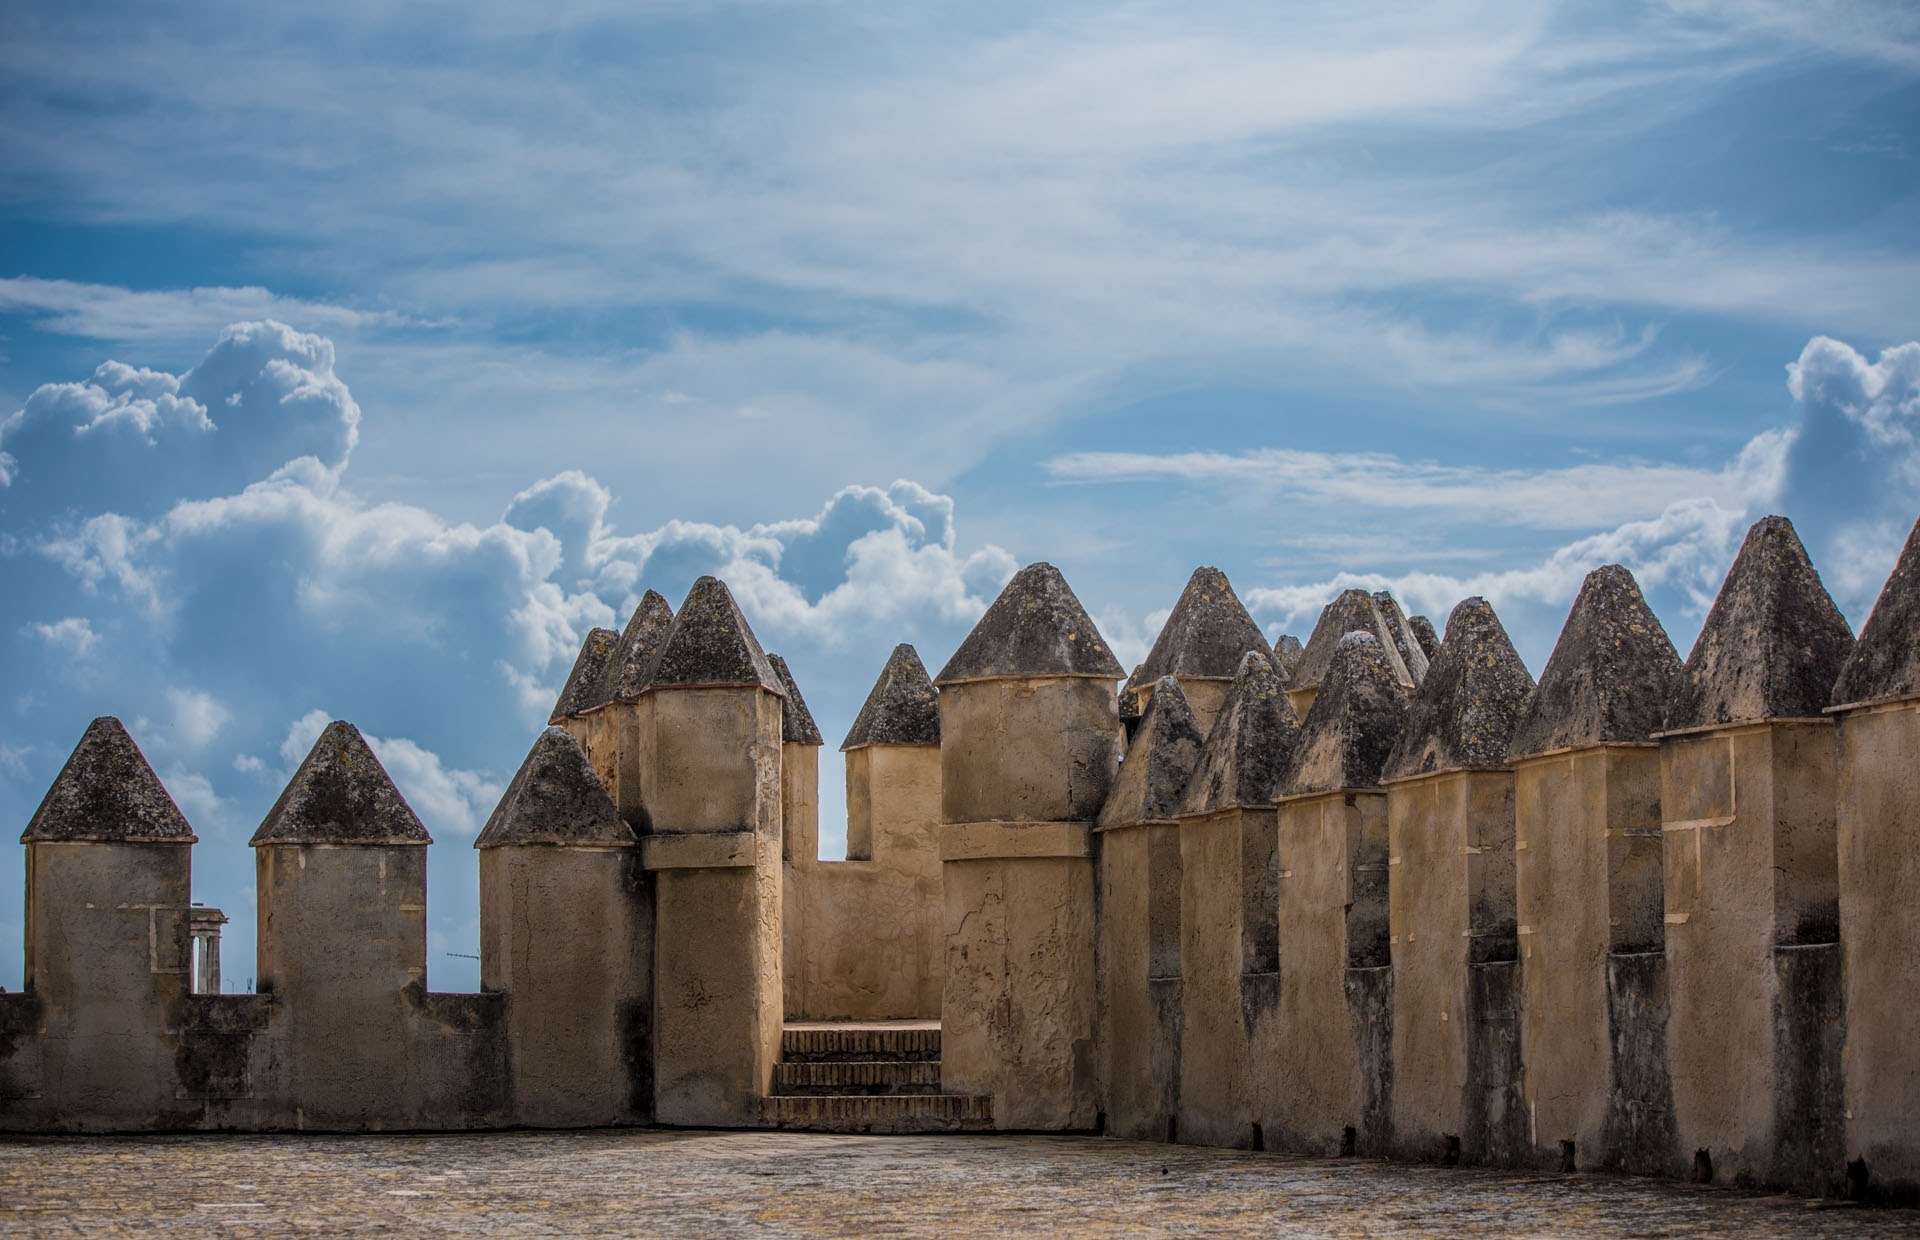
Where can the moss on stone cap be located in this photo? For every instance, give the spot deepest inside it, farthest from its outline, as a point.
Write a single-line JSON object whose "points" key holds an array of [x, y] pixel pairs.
{"points": [[555, 798], [1354, 611], [1422, 630], [1412, 655], [1246, 755], [631, 662], [584, 680], [341, 795], [1035, 628], [902, 709], [1610, 677], [1773, 643], [796, 721], [1205, 635], [106, 793], [711, 645], [1355, 721], [1886, 660], [1160, 761], [1465, 711], [1286, 655]]}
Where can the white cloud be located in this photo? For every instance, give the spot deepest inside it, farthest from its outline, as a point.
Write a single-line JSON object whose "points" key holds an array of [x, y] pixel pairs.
{"points": [[72, 637], [197, 717], [154, 316]]}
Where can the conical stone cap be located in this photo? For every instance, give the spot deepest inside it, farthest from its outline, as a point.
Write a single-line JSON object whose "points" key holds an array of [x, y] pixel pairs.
{"points": [[1355, 611], [341, 795], [1205, 635], [1886, 660], [903, 709], [1404, 644], [1160, 761], [1356, 719], [555, 798], [1773, 643], [631, 662], [106, 793], [1422, 630], [796, 721], [1611, 676], [1246, 755], [1286, 654], [583, 682], [1035, 628], [1466, 709], [710, 645]]}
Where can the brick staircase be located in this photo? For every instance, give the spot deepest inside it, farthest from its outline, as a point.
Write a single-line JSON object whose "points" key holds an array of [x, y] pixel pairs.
{"points": [[878, 1077]]}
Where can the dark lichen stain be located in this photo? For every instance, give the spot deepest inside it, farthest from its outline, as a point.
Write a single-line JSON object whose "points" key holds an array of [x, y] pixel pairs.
{"points": [[1466, 709], [555, 798], [1354, 611], [1422, 629], [106, 792], [1610, 677], [1160, 761], [1354, 723], [902, 709], [583, 682], [626, 670], [341, 795], [1035, 628]]}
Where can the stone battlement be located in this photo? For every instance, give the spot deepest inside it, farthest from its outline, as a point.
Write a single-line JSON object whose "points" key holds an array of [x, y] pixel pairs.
{"points": [[1377, 894]]}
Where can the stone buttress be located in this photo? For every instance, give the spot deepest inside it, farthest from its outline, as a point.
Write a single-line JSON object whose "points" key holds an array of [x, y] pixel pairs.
{"points": [[1877, 702], [1335, 1071], [566, 934], [1450, 844], [1030, 739], [1229, 913], [1140, 918], [1200, 646], [1588, 860]]}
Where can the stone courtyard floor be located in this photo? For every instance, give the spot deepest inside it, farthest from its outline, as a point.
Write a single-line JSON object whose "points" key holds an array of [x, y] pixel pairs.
{"points": [[659, 1183]]}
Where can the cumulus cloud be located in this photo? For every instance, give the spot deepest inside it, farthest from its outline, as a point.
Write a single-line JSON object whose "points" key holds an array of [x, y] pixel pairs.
{"points": [[72, 637], [450, 801], [197, 716]]}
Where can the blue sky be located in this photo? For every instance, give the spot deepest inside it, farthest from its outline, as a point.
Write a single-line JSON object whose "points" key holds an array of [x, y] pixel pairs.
{"points": [[354, 364]]}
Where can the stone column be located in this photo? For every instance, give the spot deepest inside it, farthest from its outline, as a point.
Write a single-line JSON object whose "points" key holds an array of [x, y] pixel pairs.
{"points": [[1201, 645], [341, 865], [1588, 879], [1030, 738], [108, 890], [1140, 918], [710, 771], [1451, 904], [566, 932], [204, 924], [1878, 705], [1336, 1008], [1229, 914]]}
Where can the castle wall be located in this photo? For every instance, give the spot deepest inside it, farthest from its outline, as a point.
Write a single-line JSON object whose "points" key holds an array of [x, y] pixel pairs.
{"points": [[1140, 977]]}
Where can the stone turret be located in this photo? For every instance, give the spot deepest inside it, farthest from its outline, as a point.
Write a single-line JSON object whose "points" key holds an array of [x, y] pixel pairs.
{"points": [[1287, 653], [710, 766], [630, 667], [582, 689], [1413, 655], [1588, 878], [1450, 826], [108, 892], [1336, 998], [1877, 703], [1229, 902], [1422, 630], [566, 931], [608, 714], [1200, 645], [1140, 915], [1030, 738], [1751, 866], [1354, 611], [800, 743]]}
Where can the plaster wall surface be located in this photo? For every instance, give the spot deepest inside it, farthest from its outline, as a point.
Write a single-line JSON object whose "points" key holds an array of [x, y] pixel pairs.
{"points": [[1027, 748], [1879, 873], [1450, 853], [1750, 865], [1587, 880], [1205, 696], [611, 737], [1140, 976], [1216, 1094]]}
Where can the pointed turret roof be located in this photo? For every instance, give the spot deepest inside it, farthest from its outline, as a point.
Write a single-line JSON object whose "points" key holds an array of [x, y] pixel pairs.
{"points": [[1356, 719], [1286, 654], [341, 795], [1355, 611], [903, 709], [796, 721], [1160, 762], [1035, 628], [710, 645], [583, 682], [1404, 644], [631, 662], [107, 793], [1247, 752], [1773, 643], [1886, 660], [1609, 678], [1205, 635], [1422, 629], [555, 798], [1464, 712]]}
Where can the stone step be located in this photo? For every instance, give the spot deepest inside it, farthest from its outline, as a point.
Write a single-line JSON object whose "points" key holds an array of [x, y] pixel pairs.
{"points": [[860, 1042], [881, 1113], [885, 1076]]}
